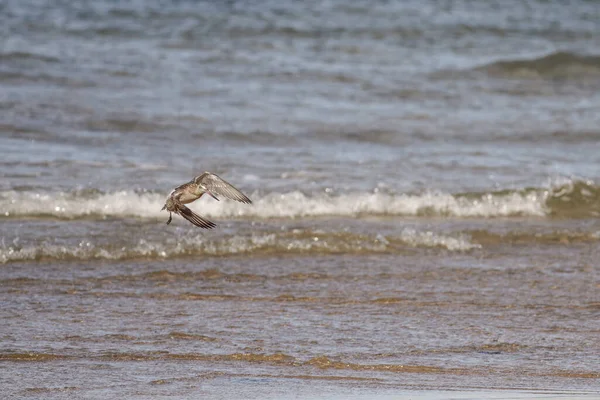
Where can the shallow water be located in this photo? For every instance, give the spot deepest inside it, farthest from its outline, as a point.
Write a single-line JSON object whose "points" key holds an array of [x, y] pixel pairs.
{"points": [[425, 186]]}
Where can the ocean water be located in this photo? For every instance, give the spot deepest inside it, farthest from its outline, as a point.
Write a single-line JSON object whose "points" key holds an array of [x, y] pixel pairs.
{"points": [[425, 179]]}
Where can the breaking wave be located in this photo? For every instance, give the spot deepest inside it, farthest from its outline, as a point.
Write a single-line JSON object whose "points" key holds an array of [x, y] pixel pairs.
{"points": [[568, 199], [266, 243], [562, 65]]}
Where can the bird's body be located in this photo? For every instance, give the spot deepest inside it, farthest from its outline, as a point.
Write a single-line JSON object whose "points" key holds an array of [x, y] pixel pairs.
{"points": [[196, 188]]}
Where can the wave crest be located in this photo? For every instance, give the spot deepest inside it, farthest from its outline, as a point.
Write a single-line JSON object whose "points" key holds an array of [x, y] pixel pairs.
{"points": [[568, 199], [561, 65], [268, 243]]}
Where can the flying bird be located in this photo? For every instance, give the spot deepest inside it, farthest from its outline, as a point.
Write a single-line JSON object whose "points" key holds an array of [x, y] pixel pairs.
{"points": [[196, 188]]}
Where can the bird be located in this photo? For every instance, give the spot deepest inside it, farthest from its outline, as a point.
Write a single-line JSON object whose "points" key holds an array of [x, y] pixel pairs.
{"points": [[191, 191]]}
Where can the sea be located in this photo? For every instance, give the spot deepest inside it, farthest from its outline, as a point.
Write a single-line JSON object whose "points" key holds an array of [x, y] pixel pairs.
{"points": [[425, 185]]}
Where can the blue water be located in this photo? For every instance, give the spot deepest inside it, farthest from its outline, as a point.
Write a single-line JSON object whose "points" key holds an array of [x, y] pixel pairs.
{"points": [[413, 94]]}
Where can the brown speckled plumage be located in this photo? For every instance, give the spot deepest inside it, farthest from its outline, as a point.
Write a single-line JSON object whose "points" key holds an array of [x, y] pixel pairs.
{"points": [[193, 190]]}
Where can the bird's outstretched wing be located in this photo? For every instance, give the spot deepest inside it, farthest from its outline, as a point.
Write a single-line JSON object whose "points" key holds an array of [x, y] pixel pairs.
{"points": [[194, 218], [215, 185]]}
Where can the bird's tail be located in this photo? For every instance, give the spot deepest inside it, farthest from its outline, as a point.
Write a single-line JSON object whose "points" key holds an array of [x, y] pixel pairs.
{"points": [[164, 207]]}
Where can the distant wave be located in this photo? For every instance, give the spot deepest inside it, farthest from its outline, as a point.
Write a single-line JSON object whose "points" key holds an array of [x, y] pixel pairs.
{"points": [[18, 56], [556, 65], [568, 199], [266, 243]]}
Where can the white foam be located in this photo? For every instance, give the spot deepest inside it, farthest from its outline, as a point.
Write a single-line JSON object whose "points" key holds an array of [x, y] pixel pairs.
{"points": [[275, 205], [66, 205], [432, 239]]}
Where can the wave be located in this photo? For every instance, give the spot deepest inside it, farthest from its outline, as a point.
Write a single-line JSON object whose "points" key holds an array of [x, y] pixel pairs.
{"points": [[289, 243], [296, 242], [563, 65], [256, 244], [576, 199], [20, 56]]}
